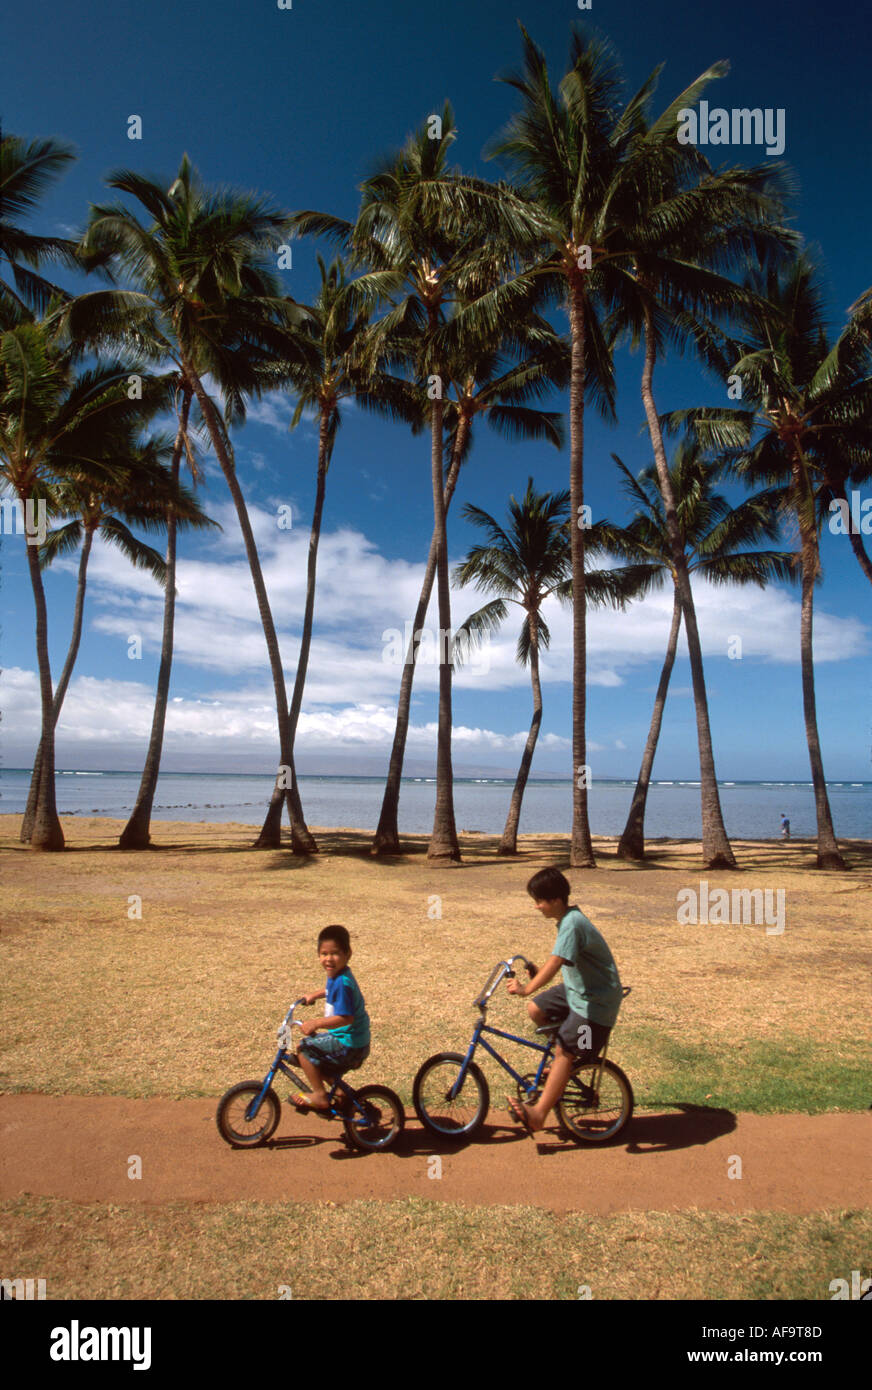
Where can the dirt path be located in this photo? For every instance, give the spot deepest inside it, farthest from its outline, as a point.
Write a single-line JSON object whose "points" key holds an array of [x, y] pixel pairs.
{"points": [[79, 1147]]}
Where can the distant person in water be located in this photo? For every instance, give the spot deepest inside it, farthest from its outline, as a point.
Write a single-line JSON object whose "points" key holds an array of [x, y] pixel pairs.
{"points": [[785, 827]]}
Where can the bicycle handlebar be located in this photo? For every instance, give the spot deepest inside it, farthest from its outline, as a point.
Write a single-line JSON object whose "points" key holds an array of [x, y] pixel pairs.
{"points": [[502, 969]]}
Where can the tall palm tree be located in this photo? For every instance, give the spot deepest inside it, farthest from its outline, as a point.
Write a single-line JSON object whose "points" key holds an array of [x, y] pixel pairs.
{"points": [[638, 224], [27, 170], [715, 537], [205, 295], [331, 372], [681, 224], [426, 257], [807, 402], [563, 151], [58, 421], [486, 381], [138, 491], [137, 832]]}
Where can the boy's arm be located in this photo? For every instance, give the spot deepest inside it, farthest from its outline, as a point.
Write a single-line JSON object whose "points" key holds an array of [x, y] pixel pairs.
{"points": [[312, 998], [548, 971], [329, 1021]]}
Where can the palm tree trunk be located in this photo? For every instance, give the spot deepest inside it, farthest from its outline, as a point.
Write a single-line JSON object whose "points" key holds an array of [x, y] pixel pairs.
{"points": [[295, 808], [443, 845], [828, 854], [47, 832], [387, 835], [136, 833], [57, 703], [632, 842], [581, 849], [509, 843], [228, 469], [716, 850]]}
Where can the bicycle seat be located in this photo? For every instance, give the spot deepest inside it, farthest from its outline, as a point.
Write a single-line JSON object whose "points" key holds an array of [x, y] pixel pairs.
{"points": [[549, 1028]]}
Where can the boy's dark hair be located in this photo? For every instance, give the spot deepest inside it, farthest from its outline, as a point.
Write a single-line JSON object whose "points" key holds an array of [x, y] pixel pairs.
{"points": [[547, 885], [337, 934]]}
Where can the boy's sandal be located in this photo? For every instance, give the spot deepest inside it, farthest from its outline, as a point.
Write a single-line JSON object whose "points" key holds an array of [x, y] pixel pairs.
{"points": [[302, 1106], [518, 1113]]}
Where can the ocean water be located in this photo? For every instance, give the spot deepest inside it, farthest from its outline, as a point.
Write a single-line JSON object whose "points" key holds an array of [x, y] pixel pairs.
{"points": [[752, 810]]}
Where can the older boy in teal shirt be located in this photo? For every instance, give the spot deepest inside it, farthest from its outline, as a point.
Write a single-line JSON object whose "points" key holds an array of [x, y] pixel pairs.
{"points": [[586, 1004]]}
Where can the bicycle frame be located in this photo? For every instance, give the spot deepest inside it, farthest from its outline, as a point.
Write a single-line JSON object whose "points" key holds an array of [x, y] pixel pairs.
{"points": [[501, 971], [280, 1065]]}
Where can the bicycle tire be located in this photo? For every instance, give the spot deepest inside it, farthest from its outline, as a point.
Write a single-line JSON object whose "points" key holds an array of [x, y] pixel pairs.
{"points": [[602, 1119], [230, 1115], [384, 1130], [450, 1120]]}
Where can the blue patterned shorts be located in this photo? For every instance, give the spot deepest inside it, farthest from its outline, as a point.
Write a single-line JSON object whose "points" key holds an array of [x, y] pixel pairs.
{"points": [[332, 1056]]}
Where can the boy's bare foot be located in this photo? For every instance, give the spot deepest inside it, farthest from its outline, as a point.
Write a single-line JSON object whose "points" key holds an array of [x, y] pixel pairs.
{"points": [[523, 1114]]}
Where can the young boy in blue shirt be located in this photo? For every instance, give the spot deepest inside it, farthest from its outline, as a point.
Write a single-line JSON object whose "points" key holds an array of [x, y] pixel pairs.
{"points": [[586, 1004], [345, 1025]]}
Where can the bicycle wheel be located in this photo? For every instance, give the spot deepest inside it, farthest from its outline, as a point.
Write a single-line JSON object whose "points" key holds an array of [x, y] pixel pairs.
{"points": [[381, 1124], [232, 1116], [452, 1118], [593, 1117]]}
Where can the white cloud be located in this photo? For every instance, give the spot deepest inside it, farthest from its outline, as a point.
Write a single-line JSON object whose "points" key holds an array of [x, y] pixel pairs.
{"points": [[363, 597], [351, 690]]}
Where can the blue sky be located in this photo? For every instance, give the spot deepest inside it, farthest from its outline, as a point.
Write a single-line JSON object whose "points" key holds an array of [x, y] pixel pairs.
{"points": [[298, 104]]}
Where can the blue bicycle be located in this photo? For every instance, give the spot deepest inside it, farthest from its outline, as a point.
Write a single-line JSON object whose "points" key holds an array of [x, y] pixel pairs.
{"points": [[373, 1116], [451, 1095]]}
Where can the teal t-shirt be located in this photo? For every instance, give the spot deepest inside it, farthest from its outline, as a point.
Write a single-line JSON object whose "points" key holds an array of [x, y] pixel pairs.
{"points": [[593, 985], [345, 999]]}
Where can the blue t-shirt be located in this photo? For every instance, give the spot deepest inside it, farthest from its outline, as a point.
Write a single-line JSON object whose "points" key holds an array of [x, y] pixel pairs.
{"points": [[593, 986], [345, 999]]}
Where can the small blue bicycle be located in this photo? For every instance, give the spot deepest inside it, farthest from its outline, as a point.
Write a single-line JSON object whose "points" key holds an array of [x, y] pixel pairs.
{"points": [[451, 1095], [373, 1117]]}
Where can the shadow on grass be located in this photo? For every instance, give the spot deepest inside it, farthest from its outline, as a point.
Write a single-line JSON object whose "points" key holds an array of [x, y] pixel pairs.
{"points": [[479, 850]]}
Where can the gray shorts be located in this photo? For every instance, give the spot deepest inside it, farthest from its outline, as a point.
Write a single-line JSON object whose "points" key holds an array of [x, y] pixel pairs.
{"points": [[586, 1045]]}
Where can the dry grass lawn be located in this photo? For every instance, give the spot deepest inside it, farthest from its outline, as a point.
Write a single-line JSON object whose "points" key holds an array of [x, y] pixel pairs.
{"points": [[186, 999]]}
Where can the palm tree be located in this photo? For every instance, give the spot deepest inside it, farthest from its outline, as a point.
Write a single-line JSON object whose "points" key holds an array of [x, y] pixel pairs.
{"points": [[137, 832], [563, 152], [329, 373], [206, 296], [138, 491], [809, 401], [426, 257], [714, 536], [637, 223], [666, 229], [524, 565], [27, 169], [485, 381], [55, 422]]}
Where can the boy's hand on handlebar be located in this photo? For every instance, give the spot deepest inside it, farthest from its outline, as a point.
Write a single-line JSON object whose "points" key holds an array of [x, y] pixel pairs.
{"points": [[309, 1027], [515, 987]]}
